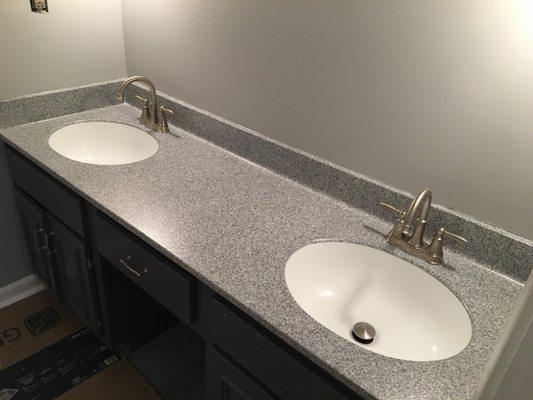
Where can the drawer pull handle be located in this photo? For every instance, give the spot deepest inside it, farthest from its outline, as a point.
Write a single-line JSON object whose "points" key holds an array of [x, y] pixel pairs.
{"points": [[133, 270]]}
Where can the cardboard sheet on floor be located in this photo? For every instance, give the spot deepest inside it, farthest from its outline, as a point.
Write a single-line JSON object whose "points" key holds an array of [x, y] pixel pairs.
{"points": [[17, 342], [37, 322]]}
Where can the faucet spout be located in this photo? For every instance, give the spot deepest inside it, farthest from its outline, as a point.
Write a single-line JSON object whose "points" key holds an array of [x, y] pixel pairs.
{"points": [[153, 95], [422, 200]]}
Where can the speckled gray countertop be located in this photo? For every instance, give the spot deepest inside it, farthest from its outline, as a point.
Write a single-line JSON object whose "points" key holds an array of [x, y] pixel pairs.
{"points": [[233, 225]]}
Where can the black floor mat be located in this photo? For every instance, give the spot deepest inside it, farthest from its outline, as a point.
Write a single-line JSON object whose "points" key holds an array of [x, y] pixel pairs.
{"points": [[57, 368]]}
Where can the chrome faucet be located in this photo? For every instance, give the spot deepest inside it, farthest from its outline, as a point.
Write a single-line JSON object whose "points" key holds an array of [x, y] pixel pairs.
{"points": [[408, 231], [150, 116]]}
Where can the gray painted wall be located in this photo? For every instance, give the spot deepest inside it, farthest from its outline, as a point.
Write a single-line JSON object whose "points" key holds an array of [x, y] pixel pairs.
{"points": [[76, 43], [414, 93]]}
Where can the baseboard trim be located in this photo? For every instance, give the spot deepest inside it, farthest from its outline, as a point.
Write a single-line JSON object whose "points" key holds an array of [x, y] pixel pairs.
{"points": [[20, 290]]}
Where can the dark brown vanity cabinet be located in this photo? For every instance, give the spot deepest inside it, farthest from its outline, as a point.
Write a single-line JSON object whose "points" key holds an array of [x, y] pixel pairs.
{"points": [[52, 221], [262, 355]]}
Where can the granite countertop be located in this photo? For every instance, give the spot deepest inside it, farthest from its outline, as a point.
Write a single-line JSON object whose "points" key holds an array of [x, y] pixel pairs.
{"points": [[233, 224]]}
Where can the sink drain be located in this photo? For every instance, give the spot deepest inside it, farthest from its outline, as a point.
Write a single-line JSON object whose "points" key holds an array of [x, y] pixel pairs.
{"points": [[363, 332]]}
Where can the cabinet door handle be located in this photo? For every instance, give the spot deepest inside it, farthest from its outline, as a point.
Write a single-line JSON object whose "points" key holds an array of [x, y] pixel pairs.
{"points": [[47, 243], [36, 233], [138, 274]]}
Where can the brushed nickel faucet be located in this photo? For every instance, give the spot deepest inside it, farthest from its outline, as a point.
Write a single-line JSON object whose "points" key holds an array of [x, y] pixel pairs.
{"points": [[150, 117], [408, 231]]}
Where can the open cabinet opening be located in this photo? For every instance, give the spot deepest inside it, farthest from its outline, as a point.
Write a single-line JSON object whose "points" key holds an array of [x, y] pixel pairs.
{"points": [[169, 354]]}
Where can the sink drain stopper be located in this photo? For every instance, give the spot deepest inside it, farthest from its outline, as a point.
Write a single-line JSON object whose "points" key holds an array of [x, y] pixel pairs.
{"points": [[363, 332]]}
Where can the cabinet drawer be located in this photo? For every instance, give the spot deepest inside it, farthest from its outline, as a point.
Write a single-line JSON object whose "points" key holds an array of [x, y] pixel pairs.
{"points": [[167, 283], [226, 381], [288, 374], [52, 195]]}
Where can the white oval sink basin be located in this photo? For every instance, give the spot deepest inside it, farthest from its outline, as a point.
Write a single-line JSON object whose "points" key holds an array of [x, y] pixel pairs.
{"points": [[415, 317], [103, 143]]}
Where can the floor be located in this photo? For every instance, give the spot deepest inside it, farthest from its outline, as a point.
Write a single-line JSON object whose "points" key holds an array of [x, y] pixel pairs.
{"points": [[119, 381]]}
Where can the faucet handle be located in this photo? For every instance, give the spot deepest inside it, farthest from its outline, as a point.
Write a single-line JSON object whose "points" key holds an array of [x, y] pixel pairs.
{"points": [[400, 215], [435, 248], [164, 110], [392, 209], [451, 235], [145, 116], [163, 125]]}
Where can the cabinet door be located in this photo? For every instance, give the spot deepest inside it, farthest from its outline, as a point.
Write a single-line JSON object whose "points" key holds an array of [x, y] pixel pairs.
{"points": [[226, 381], [69, 256], [33, 225]]}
